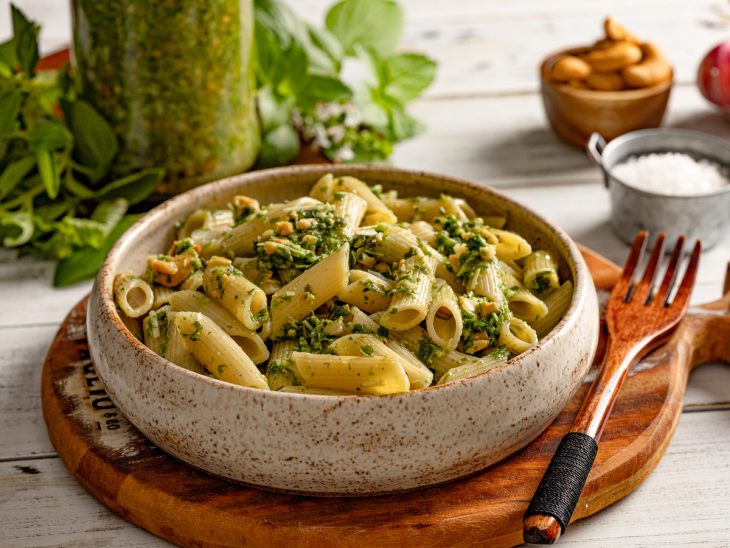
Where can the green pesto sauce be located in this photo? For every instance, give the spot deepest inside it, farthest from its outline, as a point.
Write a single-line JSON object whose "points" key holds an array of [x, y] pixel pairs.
{"points": [[174, 78]]}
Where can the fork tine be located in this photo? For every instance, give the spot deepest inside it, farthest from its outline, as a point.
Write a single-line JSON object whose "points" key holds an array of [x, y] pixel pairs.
{"points": [[671, 274], [688, 281], [644, 287], [623, 285]]}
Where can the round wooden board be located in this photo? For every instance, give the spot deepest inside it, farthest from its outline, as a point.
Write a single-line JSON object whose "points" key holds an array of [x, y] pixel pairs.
{"points": [[170, 499]]}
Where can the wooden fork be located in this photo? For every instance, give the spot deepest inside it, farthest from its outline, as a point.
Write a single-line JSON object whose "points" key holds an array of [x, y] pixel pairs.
{"points": [[639, 320]]}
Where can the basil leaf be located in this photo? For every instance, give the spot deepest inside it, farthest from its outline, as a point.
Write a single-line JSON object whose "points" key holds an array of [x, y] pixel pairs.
{"points": [[14, 173], [96, 144], [49, 136], [10, 102], [48, 172], [278, 147], [273, 111], [134, 188], [85, 263], [401, 124], [404, 76], [109, 213], [374, 24], [317, 88], [25, 38], [7, 54], [77, 189], [325, 51], [17, 228]]}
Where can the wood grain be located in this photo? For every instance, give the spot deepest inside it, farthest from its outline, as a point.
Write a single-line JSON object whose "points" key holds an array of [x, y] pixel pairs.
{"points": [[189, 508]]}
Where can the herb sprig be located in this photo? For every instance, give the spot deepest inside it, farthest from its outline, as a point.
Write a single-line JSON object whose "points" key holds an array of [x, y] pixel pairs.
{"points": [[58, 198]]}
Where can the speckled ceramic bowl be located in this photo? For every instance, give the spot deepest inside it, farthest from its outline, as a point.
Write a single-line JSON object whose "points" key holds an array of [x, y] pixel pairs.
{"points": [[341, 445]]}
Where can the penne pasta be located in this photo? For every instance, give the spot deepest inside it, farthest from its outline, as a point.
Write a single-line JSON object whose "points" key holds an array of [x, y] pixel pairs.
{"points": [[517, 336], [249, 341], [526, 306], [374, 375], [218, 353], [228, 286], [367, 291], [310, 290], [133, 295], [474, 367], [443, 321], [540, 273], [419, 376], [351, 208], [412, 295], [557, 304]]}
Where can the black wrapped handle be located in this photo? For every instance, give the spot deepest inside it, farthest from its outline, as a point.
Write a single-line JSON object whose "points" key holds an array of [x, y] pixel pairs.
{"points": [[560, 488]]}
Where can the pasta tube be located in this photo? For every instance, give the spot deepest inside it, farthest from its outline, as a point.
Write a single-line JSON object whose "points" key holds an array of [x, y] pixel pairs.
{"points": [[359, 374], [350, 207], [412, 295], [419, 376], [218, 353], [517, 336], [228, 286], [527, 306], [367, 291], [310, 290], [557, 304], [476, 367], [249, 341], [134, 296], [540, 272], [443, 322]]}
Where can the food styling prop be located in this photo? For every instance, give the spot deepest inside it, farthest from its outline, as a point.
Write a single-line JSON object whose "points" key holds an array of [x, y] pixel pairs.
{"points": [[713, 76], [700, 217], [172, 500], [617, 85], [639, 319], [338, 445]]}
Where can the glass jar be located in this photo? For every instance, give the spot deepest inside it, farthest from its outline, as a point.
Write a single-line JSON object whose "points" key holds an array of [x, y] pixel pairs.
{"points": [[175, 80]]}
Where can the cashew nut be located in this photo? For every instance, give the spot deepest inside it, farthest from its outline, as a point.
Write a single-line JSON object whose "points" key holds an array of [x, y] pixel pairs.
{"points": [[654, 68], [615, 57], [570, 67]]}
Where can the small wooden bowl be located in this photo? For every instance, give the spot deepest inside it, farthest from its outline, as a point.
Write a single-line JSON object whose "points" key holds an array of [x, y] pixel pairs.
{"points": [[575, 113]]}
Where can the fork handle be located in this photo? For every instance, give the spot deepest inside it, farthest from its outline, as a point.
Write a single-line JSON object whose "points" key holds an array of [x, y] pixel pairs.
{"points": [[560, 488]]}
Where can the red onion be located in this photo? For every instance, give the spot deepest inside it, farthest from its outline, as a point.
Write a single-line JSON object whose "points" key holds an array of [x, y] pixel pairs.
{"points": [[713, 77]]}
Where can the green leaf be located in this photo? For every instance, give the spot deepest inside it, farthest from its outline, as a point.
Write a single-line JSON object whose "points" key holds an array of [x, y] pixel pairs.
{"points": [[109, 213], [273, 111], [402, 125], [374, 24], [17, 228], [85, 263], [278, 147], [321, 88], [10, 103], [76, 188], [25, 38], [95, 142], [134, 188], [14, 173], [7, 54], [404, 76], [48, 172], [49, 136]]}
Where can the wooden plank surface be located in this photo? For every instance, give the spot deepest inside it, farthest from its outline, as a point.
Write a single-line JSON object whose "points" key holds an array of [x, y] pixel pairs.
{"points": [[485, 122]]}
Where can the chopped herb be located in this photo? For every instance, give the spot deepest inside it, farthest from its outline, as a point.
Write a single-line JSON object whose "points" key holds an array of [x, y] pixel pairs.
{"points": [[541, 282], [428, 351], [367, 350], [221, 368], [195, 335]]}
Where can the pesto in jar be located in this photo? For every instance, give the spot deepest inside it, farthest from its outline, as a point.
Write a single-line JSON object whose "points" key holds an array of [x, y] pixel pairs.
{"points": [[174, 78]]}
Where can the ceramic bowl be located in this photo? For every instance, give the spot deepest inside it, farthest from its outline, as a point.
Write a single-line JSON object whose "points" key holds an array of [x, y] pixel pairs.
{"points": [[575, 113], [341, 445]]}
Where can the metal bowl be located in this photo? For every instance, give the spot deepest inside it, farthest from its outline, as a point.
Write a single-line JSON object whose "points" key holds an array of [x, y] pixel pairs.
{"points": [[705, 217]]}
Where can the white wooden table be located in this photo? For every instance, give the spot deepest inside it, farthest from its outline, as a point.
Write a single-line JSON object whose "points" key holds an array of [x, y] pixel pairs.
{"points": [[485, 122]]}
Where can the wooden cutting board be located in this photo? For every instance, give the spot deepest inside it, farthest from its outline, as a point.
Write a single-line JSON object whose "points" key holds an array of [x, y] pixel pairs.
{"points": [[172, 500]]}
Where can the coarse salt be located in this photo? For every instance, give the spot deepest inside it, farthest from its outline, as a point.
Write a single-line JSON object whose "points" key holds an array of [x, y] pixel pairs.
{"points": [[672, 173]]}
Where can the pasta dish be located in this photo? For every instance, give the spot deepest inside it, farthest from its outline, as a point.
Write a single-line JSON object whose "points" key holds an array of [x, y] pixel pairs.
{"points": [[350, 290]]}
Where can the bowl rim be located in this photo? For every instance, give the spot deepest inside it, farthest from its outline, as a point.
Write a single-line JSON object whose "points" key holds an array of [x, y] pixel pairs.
{"points": [[608, 96], [103, 284], [647, 133]]}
